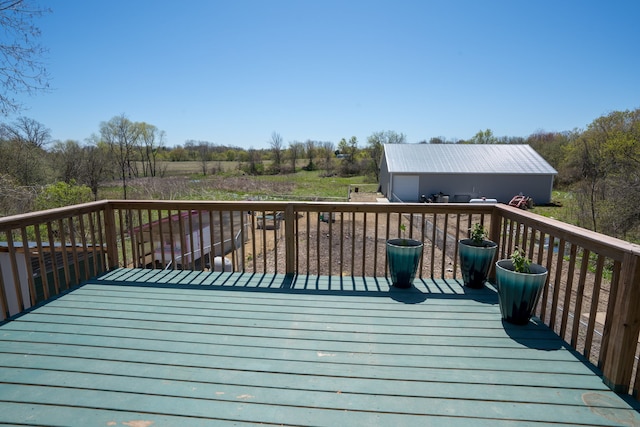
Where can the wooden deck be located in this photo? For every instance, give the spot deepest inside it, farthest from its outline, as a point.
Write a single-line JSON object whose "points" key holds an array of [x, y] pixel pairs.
{"points": [[158, 348]]}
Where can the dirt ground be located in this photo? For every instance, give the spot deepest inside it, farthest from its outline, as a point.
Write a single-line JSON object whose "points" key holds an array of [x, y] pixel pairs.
{"points": [[350, 244]]}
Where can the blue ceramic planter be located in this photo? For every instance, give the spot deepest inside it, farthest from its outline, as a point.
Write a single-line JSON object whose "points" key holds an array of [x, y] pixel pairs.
{"points": [[476, 261], [403, 256], [519, 293]]}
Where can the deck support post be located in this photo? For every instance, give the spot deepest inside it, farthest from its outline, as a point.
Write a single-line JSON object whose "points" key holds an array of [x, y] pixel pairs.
{"points": [[495, 226], [625, 326], [110, 236], [13, 262], [289, 239]]}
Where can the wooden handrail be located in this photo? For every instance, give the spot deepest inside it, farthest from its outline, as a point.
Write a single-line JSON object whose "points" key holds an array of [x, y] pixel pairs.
{"points": [[610, 247]]}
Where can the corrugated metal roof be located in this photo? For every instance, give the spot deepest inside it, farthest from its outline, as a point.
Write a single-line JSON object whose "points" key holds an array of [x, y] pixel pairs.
{"points": [[465, 158]]}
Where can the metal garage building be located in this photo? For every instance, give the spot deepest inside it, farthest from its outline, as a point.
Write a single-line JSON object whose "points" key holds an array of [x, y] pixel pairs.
{"points": [[464, 172]]}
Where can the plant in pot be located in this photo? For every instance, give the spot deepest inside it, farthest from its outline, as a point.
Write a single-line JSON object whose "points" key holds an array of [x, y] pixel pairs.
{"points": [[476, 257], [403, 257], [520, 283]]}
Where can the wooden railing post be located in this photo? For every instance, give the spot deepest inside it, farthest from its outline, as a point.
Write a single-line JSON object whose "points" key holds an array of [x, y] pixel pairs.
{"points": [[625, 326], [4, 304], [110, 236], [495, 227], [290, 239]]}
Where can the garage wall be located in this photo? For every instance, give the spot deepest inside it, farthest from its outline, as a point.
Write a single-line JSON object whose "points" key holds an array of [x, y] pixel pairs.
{"points": [[384, 178], [462, 188]]}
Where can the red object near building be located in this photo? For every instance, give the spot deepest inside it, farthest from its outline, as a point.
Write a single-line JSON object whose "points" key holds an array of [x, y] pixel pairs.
{"points": [[520, 201]]}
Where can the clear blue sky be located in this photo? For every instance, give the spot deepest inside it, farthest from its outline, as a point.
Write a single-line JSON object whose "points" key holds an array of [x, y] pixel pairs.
{"points": [[232, 72]]}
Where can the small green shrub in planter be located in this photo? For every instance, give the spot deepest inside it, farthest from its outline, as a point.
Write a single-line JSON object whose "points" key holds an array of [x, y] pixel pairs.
{"points": [[403, 257], [476, 257], [521, 264], [520, 283], [478, 234]]}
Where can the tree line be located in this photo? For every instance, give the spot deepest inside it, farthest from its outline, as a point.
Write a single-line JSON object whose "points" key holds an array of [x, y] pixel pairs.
{"points": [[599, 165]]}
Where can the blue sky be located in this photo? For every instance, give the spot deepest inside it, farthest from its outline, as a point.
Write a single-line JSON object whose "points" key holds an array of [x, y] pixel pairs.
{"points": [[232, 72]]}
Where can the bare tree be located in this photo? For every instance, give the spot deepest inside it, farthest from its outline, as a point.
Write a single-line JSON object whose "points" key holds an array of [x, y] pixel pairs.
{"points": [[204, 150], [28, 131], [276, 148], [310, 147], [21, 66], [255, 161], [327, 152], [68, 157], [23, 149], [296, 148], [98, 164], [151, 141], [121, 135]]}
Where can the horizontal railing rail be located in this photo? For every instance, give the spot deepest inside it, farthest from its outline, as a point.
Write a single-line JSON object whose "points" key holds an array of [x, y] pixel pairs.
{"points": [[591, 299]]}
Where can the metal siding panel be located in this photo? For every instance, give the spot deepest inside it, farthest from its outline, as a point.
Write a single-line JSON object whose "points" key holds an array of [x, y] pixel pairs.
{"points": [[465, 158]]}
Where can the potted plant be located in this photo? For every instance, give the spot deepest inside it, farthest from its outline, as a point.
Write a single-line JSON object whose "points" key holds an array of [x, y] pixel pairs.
{"points": [[476, 257], [403, 256], [520, 283]]}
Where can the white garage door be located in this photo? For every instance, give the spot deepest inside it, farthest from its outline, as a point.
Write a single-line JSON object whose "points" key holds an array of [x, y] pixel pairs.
{"points": [[406, 187]]}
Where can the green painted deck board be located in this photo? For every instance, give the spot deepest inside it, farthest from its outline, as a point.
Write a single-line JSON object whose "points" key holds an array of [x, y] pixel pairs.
{"points": [[461, 375], [193, 348], [173, 397], [58, 416], [327, 323], [258, 355], [327, 338], [129, 303], [63, 368], [206, 335]]}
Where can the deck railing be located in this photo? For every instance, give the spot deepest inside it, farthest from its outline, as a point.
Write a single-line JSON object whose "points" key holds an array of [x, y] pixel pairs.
{"points": [[591, 299]]}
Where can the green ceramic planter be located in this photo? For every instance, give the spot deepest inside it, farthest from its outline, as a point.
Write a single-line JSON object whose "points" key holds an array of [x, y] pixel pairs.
{"points": [[519, 293], [476, 261], [403, 256]]}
